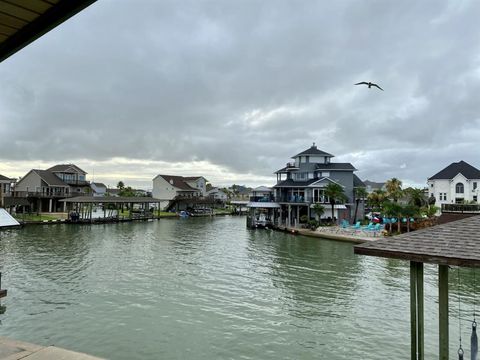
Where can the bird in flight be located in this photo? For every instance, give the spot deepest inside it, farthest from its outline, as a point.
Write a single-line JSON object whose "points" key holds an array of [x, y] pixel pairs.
{"points": [[369, 84]]}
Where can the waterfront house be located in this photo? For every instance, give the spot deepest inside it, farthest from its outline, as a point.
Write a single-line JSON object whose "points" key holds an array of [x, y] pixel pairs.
{"points": [[371, 186], [5, 188], [301, 184], [168, 188], [456, 184], [98, 189], [217, 194], [197, 182], [43, 188]]}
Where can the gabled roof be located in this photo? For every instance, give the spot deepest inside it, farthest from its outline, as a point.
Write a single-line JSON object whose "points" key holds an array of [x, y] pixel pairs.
{"points": [[357, 182], [178, 181], [97, 184], [313, 151], [4, 178], [190, 178], [50, 178], [65, 168], [374, 185], [456, 168]]}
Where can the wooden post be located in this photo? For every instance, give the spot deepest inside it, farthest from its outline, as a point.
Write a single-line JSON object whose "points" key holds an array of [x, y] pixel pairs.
{"points": [[416, 311], [443, 311], [413, 310]]}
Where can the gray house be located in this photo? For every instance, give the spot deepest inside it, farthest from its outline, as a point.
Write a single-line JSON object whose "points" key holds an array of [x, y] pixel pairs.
{"points": [[301, 184]]}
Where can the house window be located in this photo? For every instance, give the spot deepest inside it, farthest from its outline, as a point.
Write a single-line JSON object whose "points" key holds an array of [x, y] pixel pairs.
{"points": [[443, 196], [459, 188], [325, 173], [431, 185], [475, 198], [474, 185]]}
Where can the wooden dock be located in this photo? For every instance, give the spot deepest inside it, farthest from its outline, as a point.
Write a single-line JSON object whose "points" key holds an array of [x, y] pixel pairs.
{"points": [[16, 350]]}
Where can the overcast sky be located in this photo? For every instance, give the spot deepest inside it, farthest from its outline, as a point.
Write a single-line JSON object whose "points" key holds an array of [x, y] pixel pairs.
{"points": [[232, 89]]}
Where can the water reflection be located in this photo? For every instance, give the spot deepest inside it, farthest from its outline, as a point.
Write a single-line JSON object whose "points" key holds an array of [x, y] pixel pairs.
{"points": [[207, 288]]}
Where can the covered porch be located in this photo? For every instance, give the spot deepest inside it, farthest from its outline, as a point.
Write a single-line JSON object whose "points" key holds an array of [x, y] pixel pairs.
{"points": [[455, 244]]}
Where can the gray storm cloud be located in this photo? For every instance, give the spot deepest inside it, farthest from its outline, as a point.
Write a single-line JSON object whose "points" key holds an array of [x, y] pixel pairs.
{"points": [[245, 85]]}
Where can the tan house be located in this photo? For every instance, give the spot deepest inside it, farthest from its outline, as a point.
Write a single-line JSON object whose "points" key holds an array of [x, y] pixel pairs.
{"points": [[43, 188], [170, 187]]}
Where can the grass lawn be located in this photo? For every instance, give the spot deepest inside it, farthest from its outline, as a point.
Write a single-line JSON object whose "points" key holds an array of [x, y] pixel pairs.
{"points": [[35, 217]]}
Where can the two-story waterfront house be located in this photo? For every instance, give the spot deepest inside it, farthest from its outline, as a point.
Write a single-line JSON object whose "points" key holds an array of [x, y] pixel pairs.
{"points": [[459, 182], [302, 183], [43, 188], [170, 187]]}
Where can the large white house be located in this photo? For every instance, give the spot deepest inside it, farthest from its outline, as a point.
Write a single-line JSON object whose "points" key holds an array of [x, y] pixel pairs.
{"points": [[457, 183], [169, 187]]}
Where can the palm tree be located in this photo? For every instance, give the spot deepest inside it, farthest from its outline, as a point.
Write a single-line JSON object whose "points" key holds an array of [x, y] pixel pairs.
{"points": [[319, 210], [393, 209], [416, 197], [394, 189], [335, 193], [360, 194], [376, 199], [120, 185]]}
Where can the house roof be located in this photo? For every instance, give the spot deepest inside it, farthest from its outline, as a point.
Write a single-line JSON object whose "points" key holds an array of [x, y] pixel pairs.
{"points": [[22, 22], [178, 182], [262, 188], [331, 166], [64, 168], [336, 166], [4, 178], [456, 168], [291, 183], [373, 184], [189, 178], [357, 182], [455, 243], [97, 184], [313, 151], [50, 178]]}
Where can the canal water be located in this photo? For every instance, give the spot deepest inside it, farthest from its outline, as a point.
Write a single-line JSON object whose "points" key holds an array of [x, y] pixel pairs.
{"points": [[208, 288]]}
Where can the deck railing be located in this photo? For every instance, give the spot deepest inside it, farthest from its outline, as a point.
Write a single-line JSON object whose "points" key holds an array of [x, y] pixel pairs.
{"points": [[461, 208]]}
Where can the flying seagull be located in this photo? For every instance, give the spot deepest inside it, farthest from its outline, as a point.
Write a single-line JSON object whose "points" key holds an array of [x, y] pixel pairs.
{"points": [[369, 84]]}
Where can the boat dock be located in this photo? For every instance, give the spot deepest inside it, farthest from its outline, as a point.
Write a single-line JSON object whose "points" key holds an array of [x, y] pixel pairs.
{"points": [[16, 350]]}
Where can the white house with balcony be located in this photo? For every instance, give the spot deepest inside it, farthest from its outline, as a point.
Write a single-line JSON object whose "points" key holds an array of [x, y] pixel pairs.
{"points": [[456, 184]]}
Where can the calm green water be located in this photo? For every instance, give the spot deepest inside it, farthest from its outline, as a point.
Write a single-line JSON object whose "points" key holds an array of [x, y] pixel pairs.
{"points": [[208, 289]]}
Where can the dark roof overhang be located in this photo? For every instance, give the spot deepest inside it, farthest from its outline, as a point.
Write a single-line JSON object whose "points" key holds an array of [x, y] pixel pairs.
{"points": [[22, 22]]}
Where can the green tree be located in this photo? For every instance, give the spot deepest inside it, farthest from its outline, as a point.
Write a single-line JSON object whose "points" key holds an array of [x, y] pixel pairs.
{"points": [[335, 194], [394, 189], [410, 211], [393, 210], [376, 199], [360, 194], [416, 197], [120, 185], [319, 210], [127, 192]]}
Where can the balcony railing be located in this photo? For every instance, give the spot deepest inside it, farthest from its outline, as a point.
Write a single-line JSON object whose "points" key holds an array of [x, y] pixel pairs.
{"points": [[461, 208], [262, 198], [53, 194]]}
